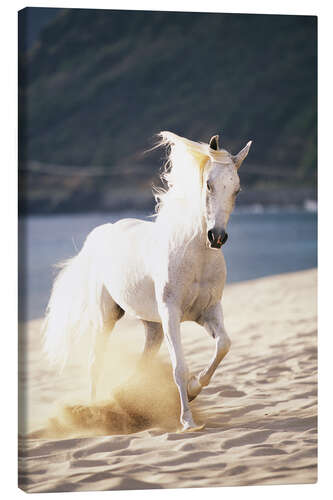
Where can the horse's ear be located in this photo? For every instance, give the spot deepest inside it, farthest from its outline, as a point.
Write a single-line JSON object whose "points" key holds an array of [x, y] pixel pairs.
{"points": [[240, 157], [214, 143]]}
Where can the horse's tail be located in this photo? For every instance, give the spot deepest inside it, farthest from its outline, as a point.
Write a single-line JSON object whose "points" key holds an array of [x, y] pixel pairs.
{"points": [[75, 306]]}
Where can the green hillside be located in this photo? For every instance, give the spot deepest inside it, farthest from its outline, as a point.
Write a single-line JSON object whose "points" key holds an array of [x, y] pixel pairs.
{"points": [[99, 84]]}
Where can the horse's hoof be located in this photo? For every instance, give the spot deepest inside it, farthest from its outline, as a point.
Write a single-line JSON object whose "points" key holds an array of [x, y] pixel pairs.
{"points": [[193, 388], [192, 427]]}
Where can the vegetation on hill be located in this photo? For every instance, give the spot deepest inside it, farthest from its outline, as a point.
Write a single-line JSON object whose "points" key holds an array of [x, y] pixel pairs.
{"points": [[97, 86]]}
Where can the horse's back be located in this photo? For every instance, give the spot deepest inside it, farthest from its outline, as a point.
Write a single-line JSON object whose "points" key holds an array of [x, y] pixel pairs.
{"points": [[124, 224], [124, 264], [110, 235]]}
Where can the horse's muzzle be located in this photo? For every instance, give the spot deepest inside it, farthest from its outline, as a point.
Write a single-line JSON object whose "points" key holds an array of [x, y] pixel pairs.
{"points": [[217, 238]]}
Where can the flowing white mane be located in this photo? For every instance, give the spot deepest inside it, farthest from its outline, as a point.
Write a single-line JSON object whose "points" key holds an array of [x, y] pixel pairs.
{"points": [[183, 176]]}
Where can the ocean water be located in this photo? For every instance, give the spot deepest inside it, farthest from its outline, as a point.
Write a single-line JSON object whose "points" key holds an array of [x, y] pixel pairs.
{"points": [[259, 244]]}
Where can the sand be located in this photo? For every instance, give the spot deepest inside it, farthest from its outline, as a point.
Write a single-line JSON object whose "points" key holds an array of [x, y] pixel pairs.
{"points": [[259, 411]]}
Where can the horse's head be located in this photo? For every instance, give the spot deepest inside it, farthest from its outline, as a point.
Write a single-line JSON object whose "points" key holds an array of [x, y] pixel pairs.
{"points": [[221, 185], [202, 182]]}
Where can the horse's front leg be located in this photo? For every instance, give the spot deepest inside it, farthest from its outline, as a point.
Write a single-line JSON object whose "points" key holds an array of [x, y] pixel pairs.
{"points": [[170, 317], [212, 321]]}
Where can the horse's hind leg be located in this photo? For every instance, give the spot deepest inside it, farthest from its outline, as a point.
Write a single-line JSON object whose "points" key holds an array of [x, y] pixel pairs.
{"points": [[154, 337], [111, 313], [96, 358]]}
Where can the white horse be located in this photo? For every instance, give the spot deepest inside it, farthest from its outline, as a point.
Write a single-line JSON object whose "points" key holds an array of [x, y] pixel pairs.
{"points": [[164, 272]]}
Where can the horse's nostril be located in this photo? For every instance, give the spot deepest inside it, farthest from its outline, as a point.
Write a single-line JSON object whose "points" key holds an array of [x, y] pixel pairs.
{"points": [[211, 236], [217, 238]]}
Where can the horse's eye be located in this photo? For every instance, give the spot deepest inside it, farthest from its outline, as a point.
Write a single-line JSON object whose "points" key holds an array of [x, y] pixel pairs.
{"points": [[209, 187]]}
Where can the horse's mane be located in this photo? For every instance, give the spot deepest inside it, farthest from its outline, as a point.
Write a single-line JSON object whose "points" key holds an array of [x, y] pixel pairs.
{"points": [[182, 176]]}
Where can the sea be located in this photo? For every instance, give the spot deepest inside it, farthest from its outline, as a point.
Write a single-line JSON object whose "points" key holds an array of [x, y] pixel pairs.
{"points": [[261, 243]]}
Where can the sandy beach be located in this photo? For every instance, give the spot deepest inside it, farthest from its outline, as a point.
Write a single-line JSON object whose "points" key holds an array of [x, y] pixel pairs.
{"points": [[260, 410]]}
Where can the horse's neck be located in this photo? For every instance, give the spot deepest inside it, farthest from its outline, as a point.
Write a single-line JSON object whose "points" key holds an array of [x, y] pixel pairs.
{"points": [[184, 231]]}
